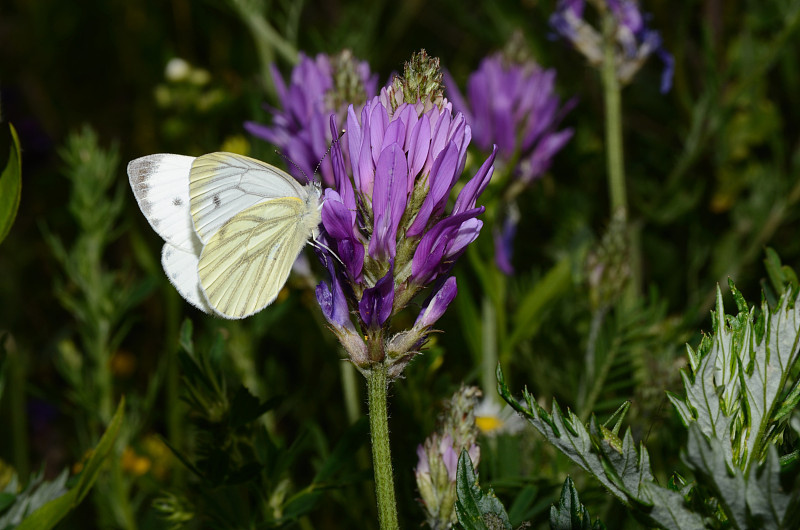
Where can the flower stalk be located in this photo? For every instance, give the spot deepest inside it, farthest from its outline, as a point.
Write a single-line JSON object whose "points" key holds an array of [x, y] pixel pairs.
{"points": [[613, 108], [377, 389]]}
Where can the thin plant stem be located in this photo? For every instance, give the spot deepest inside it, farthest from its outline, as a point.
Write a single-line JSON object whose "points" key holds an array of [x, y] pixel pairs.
{"points": [[586, 399], [377, 389], [17, 378], [489, 349], [615, 162], [613, 107], [350, 390]]}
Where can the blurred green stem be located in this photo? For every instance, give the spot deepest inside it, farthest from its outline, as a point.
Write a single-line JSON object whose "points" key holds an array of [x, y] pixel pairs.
{"points": [[19, 417], [489, 349], [122, 510], [173, 404], [350, 389], [268, 40], [612, 93], [377, 387], [586, 397], [613, 106]]}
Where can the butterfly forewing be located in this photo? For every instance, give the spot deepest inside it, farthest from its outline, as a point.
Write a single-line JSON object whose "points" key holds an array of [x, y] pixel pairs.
{"points": [[160, 185], [245, 263], [221, 185]]}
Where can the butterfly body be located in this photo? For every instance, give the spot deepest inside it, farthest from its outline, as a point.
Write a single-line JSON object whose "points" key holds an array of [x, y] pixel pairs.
{"points": [[233, 226]]}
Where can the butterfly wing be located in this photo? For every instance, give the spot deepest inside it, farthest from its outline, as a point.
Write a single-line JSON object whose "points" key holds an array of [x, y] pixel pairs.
{"points": [[160, 184], [245, 263], [223, 184], [181, 268]]}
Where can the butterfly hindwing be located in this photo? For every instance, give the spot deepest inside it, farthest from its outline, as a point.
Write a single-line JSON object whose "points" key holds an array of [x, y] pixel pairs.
{"points": [[245, 263], [181, 268], [223, 184]]}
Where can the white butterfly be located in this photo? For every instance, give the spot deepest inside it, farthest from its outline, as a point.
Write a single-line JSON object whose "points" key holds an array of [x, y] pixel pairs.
{"points": [[233, 226]]}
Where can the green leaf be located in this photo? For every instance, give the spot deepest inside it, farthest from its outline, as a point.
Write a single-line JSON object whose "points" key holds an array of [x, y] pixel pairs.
{"points": [[527, 317], [615, 462], [570, 514], [37, 493], [10, 186], [476, 509], [51, 513], [245, 407]]}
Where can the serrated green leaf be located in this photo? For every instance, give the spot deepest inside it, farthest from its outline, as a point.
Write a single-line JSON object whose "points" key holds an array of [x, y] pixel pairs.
{"points": [[50, 514], [626, 473], [476, 509], [10, 185], [707, 456], [36, 494], [570, 514], [769, 506]]}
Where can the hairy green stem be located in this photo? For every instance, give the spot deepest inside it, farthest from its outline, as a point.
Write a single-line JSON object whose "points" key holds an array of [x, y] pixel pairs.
{"points": [[377, 387]]}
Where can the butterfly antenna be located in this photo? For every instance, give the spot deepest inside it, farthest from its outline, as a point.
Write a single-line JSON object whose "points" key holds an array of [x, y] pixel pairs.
{"points": [[323, 246], [292, 162], [341, 133]]}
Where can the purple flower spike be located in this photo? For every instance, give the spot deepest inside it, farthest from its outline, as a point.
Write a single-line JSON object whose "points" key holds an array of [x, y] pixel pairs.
{"points": [[388, 211], [318, 87], [635, 41], [513, 105], [375, 306], [437, 305]]}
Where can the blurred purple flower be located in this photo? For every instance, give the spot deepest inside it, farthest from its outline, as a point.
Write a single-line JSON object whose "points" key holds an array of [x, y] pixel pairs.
{"points": [[386, 219], [511, 102], [636, 42], [318, 87], [514, 105]]}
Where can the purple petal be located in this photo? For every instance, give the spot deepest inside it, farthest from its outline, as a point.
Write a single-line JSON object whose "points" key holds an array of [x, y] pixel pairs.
{"points": [[455, 96], [418, 145], [504, 244], [542, 157], [378, 121], [438, 139], [669, 69], [388, 201], [375, 306], [337, 218], [466, 233], [334, 304], [468, 196], [441, 180], [341, 180], [429, 257], [437, 304]]}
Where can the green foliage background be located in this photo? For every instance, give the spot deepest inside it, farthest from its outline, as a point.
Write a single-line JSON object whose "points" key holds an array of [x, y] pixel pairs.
{"points": [[713, 171]]}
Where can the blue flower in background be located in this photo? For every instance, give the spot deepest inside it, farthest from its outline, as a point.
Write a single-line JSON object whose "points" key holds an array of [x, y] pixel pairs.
{"points": [[635, 41]]}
